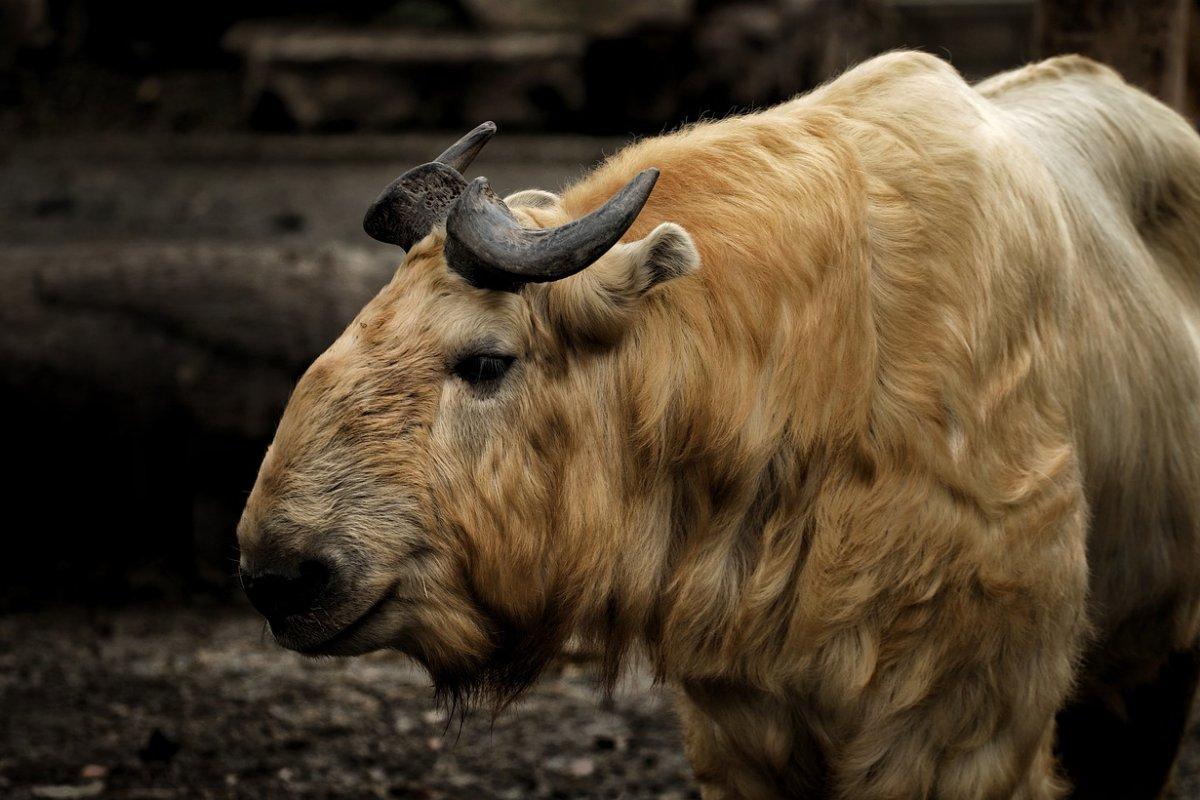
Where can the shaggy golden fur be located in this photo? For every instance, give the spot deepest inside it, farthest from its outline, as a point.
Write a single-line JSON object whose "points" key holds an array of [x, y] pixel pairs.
{"points": [[918, 431]]}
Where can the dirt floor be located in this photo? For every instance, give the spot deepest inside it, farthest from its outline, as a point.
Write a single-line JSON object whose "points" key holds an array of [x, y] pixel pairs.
{"points": [[201, 703], [167, 703]]}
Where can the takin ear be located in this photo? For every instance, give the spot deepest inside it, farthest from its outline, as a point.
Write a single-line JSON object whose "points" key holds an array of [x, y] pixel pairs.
{"points": [[597, 304], [667, 252], [532, 198]]}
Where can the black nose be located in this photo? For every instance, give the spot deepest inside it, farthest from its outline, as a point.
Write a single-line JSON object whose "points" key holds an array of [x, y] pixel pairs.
{"points": [[280, 593]]}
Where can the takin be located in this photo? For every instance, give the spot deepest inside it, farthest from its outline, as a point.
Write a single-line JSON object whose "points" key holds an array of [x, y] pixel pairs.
{"points": [[872, 429]]}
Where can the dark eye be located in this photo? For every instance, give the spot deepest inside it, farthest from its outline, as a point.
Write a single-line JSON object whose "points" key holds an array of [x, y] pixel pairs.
{"points": [[483, 369]]}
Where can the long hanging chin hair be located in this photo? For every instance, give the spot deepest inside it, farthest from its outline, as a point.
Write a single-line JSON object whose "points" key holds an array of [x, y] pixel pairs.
{"points": [[520, 652], [495, 681]]}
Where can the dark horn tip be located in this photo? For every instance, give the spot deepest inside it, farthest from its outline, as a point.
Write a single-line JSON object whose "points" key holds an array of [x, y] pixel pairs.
{"points": [[483, 131], [460, 154], [649, 174]]}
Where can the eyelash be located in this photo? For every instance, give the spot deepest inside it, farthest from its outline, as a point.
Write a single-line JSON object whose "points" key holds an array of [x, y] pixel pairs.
{"points": [[483, 370]]}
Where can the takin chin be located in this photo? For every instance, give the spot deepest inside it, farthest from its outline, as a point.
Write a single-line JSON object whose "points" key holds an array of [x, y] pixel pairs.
{"points": [[874, 428]]}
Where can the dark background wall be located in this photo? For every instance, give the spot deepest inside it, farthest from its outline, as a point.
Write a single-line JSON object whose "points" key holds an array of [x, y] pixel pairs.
{"points": [[181, 187], [576, 65]]}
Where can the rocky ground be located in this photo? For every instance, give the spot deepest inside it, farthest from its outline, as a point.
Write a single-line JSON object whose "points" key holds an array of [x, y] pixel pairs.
{"points": [[166, 703]]}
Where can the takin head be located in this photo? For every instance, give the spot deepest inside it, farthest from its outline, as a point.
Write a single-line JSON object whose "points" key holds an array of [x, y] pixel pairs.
{"points": [[428, 485]]}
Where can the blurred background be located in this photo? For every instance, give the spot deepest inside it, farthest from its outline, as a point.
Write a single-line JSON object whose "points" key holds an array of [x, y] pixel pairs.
{"points": [[181, 190]]}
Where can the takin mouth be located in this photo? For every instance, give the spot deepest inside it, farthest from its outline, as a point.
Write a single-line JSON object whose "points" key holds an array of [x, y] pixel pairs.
{"points": [[331, 646]]}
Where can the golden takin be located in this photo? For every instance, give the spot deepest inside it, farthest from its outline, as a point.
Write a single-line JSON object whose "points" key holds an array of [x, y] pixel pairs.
{"points": [[874, 429]]}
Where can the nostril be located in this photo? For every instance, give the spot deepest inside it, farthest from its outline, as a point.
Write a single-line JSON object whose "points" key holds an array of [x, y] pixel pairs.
{"points": [[279, 594], [314, 577]]}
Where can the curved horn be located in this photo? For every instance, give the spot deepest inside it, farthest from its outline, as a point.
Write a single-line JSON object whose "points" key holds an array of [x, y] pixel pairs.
{"points": [[459, 155], [487, 246], [419, 199]]}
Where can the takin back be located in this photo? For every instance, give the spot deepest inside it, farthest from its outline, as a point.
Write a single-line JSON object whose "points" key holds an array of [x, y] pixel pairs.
{"points": [[873, 429]]}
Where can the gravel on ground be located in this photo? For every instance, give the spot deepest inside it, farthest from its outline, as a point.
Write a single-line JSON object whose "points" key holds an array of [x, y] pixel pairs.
{"points": [[180, 703]]}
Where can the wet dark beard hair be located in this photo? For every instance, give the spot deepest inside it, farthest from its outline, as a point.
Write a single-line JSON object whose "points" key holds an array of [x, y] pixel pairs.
{"points": [[519, 656], [520, 653]]}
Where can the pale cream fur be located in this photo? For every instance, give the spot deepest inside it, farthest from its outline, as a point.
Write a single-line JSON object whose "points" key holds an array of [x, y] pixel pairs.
{"points": [[842, 482]]}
